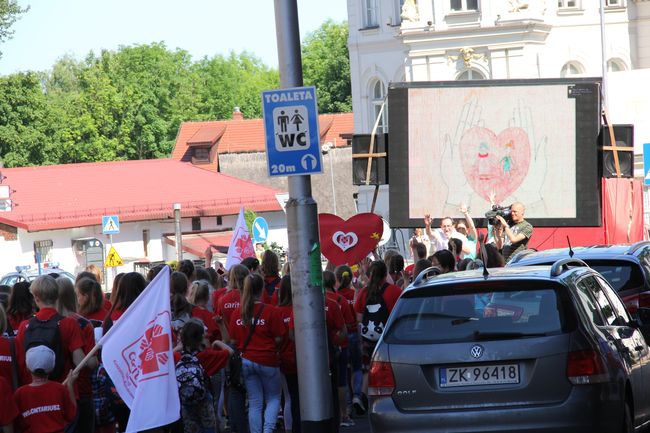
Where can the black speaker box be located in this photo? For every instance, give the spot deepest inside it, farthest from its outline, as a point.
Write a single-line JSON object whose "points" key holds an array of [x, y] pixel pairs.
{"points": [[379, 169], [624, 135]]}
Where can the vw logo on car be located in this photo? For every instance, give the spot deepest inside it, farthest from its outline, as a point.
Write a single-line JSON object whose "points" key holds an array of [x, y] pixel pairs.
{"points": [[476, 351]]}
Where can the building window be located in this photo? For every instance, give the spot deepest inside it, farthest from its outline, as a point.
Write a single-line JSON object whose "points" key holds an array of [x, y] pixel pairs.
{"points": [[615, 65], [146, 237], [567, 4], [370, 13], [196, 224], [614, 3], [43, 250], [219, 220], [202, 154], [463, 5], [572, 69], [378, 96], [470, 74]]}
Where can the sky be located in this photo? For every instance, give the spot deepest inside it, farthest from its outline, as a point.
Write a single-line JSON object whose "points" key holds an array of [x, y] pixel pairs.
{"points": [[54, 28]]}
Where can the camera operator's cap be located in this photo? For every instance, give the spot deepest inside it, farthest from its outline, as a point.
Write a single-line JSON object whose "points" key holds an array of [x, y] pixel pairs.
{"points": [[40, 358]]}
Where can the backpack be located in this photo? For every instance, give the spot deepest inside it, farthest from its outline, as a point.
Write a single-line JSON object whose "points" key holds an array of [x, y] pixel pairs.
{"points": [[192, 382], [47, 333], [271, 286], [375, 315], [104, 396]]}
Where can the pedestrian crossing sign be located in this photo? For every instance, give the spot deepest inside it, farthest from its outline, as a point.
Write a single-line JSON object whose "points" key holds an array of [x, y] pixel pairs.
{"points": [[113, 259], [110, 224]]}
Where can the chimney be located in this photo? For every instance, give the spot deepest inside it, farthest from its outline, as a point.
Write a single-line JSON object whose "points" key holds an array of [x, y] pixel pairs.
{"points": [[237, 114]]}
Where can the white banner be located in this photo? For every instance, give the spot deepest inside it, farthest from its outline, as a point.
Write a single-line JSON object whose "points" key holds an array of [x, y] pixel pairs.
{"points": [[137, 354], [241, 245]]}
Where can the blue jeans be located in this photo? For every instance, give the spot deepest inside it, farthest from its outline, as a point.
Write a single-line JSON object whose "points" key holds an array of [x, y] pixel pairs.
{"points": [[263, 385], [356, 363]]}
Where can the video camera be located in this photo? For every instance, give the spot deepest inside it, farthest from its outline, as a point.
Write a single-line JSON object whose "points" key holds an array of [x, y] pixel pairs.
{"points": [[502, 211]]}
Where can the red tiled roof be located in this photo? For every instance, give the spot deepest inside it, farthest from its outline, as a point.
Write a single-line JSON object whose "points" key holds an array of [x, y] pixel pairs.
{"points": [[75, 195], [197, 243], [242, 136]]}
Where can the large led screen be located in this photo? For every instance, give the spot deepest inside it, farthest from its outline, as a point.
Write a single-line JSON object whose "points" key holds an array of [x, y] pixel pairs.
{"points": [[532, 141]]}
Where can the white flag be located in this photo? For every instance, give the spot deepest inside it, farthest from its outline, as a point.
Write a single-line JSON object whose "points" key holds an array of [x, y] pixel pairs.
{"points": [[241, 245], [137, 355]]}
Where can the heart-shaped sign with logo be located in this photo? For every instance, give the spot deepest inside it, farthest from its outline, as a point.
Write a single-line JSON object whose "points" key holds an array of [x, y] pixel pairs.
{"points": [[495, 163], [349, 241]]}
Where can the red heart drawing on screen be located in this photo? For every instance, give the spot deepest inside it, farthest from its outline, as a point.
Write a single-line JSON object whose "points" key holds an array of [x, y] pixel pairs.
{"points": [[495, 163], [349, 241]]}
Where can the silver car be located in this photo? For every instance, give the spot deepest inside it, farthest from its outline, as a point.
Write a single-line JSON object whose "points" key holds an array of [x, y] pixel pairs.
{"points": [[536, 349], [25, 273]]}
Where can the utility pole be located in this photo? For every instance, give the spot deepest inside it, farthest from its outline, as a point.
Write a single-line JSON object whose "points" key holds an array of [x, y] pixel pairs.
{"points": [[178, 232], [304, 255]]}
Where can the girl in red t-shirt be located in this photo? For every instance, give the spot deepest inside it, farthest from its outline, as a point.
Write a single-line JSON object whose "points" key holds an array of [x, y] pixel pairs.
{"points": [[271, 272], [91, 300], [21, 306], [199, 297], [288, 365], [261, 364], [8, 409]]}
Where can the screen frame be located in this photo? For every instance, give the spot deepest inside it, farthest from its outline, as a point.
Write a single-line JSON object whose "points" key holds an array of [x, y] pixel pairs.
{"points": [[588, 125]]}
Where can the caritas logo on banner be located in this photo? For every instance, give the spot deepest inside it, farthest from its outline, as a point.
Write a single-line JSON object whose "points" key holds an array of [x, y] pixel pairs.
{"points": [[241, 244], [137, 355], [148, 355]]}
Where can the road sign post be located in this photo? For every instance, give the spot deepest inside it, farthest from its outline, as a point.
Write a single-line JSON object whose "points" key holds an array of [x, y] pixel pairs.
{"points": [[302, 227]]}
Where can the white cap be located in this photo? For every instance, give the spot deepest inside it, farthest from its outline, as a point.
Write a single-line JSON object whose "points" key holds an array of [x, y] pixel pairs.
{"points": [[40, 358]]}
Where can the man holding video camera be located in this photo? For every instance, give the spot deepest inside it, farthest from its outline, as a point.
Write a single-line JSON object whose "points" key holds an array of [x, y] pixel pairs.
{"points": [[512, 239]]}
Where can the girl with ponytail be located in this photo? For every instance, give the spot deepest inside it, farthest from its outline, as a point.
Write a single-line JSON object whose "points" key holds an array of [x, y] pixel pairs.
{"points": [[260, 360]]}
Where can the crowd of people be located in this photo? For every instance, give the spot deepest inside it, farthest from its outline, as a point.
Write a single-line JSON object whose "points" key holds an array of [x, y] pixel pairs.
{"points": [[233, 339]]}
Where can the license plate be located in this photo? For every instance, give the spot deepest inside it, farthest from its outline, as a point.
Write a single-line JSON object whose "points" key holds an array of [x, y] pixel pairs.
{"points": [[479, 375]]}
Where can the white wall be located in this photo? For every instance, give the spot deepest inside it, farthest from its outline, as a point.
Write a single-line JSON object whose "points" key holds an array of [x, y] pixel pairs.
{"points": [[128, 243]]}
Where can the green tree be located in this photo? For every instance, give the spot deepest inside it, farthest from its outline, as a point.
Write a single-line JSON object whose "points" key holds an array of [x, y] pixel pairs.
{"points": [[9, 13], [326, 65]]}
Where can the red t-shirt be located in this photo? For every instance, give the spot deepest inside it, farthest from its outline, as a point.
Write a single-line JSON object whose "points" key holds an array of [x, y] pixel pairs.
{"points": [[71, 339], [348, 293], [212, 360], [107, 305], [208, 320], [271, 282], [6, 363], [228, 303], [391, 294], [98, 315], [216, 295], [8, 409], [16, 320], [45, 408], [261, 348], [334, 321], [346, 311], [83, 381], [288, 346]]}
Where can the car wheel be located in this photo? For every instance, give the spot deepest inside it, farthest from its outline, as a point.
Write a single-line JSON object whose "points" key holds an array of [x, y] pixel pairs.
{"points": [[628, 419]]}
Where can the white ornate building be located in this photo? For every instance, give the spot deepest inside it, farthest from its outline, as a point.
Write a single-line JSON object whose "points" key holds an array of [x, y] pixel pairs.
{"points": [[439, 40]]}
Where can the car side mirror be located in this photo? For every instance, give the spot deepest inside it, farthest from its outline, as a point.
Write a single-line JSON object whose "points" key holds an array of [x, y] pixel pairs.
{"points": [[643, 316]]}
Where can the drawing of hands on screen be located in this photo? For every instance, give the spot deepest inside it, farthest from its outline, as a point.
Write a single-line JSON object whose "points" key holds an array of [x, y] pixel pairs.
{"points": [[451, 171], [531, 191]]}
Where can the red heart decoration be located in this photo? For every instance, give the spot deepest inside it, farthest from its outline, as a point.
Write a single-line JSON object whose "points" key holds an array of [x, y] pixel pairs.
{"points": [[495, 163], [349, 241]]}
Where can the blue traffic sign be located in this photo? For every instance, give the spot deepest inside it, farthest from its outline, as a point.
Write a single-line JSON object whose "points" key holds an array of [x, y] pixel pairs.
{"points": [[110, 224], [291, 127], [260, 230], [646, 163]]}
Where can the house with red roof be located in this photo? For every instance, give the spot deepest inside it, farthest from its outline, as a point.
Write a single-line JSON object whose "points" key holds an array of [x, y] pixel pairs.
{"points": [[56, 211], [237, 147]]}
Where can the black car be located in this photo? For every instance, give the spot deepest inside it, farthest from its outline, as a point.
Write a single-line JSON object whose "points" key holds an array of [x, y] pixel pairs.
{"points": [[625, 267], [530, 349]]}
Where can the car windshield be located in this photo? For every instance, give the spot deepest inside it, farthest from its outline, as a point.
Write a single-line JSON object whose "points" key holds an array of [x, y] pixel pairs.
{"points": [[476, 313], [620, 274]]}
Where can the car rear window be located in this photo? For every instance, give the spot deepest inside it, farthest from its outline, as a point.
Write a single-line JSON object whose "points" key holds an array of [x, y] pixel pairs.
{"points": [[480, 312], [620, 274]]}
